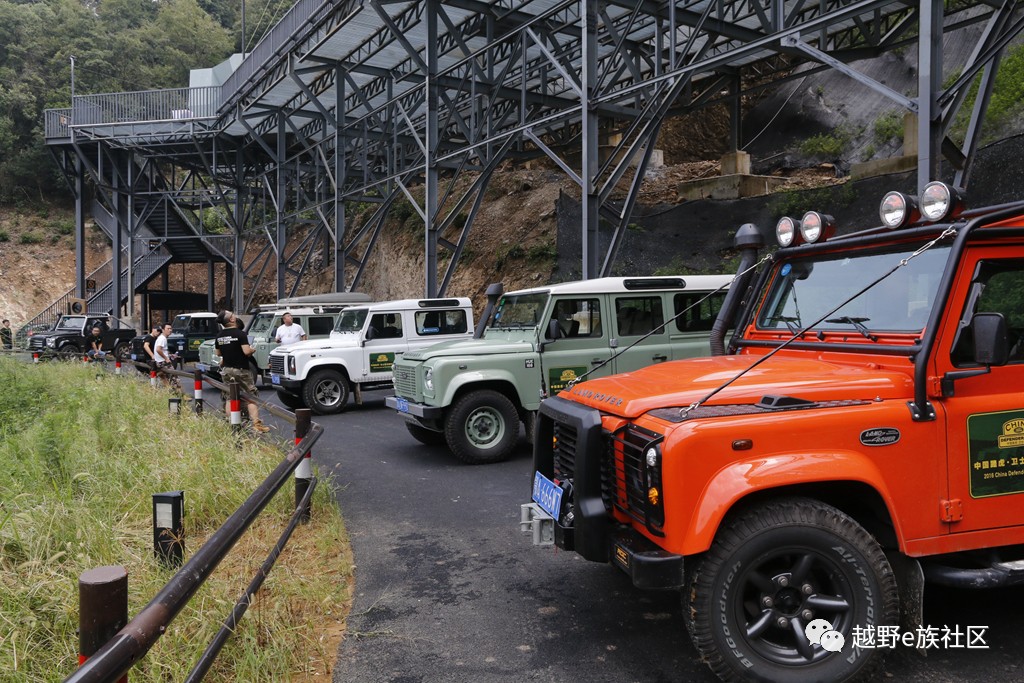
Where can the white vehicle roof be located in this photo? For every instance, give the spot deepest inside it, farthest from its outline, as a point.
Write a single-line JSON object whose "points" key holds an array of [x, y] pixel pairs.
{"points": [[635, 285], [418, 304], [326, 299], [197, 315]]}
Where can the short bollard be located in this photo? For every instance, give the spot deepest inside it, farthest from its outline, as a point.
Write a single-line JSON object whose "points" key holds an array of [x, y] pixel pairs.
{"points": [[234, 407], [174, 405], [102, 609], [168, 527], [85, 358], [117, 367], [35, 357], [199, 392], [152, 378], [304, 471]]}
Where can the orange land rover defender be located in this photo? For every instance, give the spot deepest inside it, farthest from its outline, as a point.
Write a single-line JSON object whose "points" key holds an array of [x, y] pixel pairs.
{"points": [[862, 432]]}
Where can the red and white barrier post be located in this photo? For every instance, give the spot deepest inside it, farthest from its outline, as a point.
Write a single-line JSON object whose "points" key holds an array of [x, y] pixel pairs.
{"points": [[234, 407], [117, 366], [35, 357], [199, 392], [304, 471], [152, 377]]}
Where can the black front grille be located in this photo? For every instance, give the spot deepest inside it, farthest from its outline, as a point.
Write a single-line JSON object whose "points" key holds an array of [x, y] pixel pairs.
{"points": [[565, 440], [36, 343], [625, 487], [276, 364]]}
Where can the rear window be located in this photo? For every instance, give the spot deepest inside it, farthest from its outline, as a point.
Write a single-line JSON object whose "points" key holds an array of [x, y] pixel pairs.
{"points": [[452, 321]]}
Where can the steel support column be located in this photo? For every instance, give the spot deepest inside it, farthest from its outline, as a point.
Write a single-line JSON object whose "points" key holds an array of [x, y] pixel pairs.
{"points": [[340, 169], [115, 262], [432, 136], [591, 162], [929, 85], [281, 202], [79, 227]]}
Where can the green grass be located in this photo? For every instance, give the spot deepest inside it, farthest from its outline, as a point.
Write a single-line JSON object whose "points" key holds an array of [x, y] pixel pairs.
{"points": [[82, 457]]}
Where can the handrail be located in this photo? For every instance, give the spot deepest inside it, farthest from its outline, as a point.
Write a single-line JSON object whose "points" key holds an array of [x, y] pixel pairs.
{"points": [[131, 643]]}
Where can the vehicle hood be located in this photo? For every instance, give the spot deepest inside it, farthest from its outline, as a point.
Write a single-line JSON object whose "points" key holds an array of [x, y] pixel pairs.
{"points": [[470, 347], [47, 334], [680, 383]]}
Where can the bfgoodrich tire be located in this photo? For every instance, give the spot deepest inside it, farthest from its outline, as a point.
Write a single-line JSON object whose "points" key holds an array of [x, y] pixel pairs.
{"points": [[325, 392], [770, 572], [482, 427]]}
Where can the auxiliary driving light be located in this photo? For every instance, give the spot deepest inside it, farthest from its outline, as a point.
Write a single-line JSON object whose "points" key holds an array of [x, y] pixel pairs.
{"points": [[816, 226], [786, 231], [940, 201], [653, 495], [652, 457], [898, 209]]}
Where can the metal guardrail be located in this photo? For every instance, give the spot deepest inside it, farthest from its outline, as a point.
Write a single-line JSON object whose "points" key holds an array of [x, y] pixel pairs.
{"points": [[131, 643], [177, 104]]}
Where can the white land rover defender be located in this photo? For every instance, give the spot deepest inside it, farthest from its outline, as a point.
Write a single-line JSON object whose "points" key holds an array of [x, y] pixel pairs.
{"points": [[319, 374]]}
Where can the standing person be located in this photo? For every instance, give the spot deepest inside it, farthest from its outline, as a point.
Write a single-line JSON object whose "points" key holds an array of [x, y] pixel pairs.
{"points": [[95, 344], [290, 332], [234, 351], [149, 346], [6, 335]]}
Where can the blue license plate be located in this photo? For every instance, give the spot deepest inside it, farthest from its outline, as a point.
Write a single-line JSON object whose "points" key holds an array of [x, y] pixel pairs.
{"points": [[547, 494], [401, 404], [133, 357], [275, 379]]}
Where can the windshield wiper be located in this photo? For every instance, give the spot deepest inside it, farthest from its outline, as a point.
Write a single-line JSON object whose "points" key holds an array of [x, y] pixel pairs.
{"points": [[858, 323], [789, 320]]}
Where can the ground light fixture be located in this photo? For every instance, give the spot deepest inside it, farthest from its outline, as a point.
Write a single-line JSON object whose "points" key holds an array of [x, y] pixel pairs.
{"points": [[940, 201], [815, 227], [786, 231]]}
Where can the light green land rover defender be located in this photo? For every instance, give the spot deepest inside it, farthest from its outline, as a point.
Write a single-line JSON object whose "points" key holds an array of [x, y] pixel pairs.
{"points": [[472, 394]]}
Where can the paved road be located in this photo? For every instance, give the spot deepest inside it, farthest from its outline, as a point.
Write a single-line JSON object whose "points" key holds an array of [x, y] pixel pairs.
{"points": [[448, 589]]}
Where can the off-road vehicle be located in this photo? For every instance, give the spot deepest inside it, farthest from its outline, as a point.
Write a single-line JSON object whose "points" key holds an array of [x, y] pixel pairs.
{"points": [[68, 336], [358, 356], [863, 430], [473, 394]]}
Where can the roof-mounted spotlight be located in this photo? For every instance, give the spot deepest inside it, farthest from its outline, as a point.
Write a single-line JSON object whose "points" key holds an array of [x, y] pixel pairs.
{"points": [[787, 232], [940, 201], [816, 227], [898, 209]]}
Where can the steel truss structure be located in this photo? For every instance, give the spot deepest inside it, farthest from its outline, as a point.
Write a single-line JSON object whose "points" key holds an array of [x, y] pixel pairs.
{"points": [[420, 103]]}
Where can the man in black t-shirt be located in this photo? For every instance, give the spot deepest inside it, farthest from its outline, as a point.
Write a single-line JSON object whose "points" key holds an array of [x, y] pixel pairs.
{"points": [[148, 345], [233, 348]]}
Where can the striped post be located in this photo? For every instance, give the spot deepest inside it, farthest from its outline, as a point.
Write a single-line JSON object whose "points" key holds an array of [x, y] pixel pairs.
{"points": [[102, 609], [35, 357], [152, 378], [199, 392], [85, 358], [234, 407], [117, 366], [304, 472]]}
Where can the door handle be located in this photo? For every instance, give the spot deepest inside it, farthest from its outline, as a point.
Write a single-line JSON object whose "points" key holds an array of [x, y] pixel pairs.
{"points": [[597, 361], [658, 358]]}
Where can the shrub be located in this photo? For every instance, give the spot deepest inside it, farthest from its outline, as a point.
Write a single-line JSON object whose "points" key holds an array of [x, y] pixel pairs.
{"points": [[888, 126], [30, 238]]}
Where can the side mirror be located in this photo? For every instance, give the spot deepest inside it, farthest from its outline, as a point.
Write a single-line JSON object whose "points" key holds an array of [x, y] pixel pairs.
{"points": [[371, 333], [554, 329], [991, 339]]}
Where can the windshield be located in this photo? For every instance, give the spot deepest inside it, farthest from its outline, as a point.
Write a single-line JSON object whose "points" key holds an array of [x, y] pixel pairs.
{"points": [[180, 324], [71, 322], [351, 320], [518, 311], [261, 325], [805, 290]]}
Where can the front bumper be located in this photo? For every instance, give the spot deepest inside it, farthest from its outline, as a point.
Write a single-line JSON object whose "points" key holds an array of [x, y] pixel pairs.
{"points": [[585, 524], [291, 386], [407, 407]]}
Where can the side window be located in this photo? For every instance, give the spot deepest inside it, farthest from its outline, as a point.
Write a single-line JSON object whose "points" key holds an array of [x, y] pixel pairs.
{"points": [[387, 325], [200, 325], [452, 321], [700, 317], [578, 317], [998, 287], [318, 325], [636, 316]]}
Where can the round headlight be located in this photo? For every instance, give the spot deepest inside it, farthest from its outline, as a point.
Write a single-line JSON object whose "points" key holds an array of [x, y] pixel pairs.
{"points": [[652, 457], [816, 226], [51, 341], [428, 379], [940, 201], [786, 231], [897, 210]]}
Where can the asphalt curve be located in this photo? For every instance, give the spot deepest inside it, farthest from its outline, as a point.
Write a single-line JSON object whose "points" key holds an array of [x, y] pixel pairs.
{"points": [[447, 588]]}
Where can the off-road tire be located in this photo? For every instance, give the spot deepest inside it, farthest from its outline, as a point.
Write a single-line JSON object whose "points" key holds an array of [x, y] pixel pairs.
{"points": [[325, 392], [427, 437], [69, 351], [122, 352], [802, 554], [482, 427], [290, 401]]}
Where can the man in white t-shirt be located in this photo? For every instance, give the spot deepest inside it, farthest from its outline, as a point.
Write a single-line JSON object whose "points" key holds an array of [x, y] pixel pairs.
{"points": [[160, 353], [289, 332]]}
